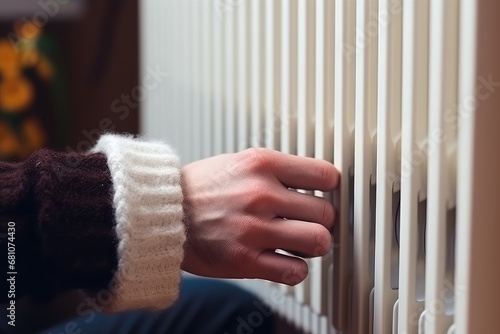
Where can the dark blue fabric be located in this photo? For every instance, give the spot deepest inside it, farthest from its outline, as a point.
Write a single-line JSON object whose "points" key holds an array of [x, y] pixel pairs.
{"points": [[204, 306]]}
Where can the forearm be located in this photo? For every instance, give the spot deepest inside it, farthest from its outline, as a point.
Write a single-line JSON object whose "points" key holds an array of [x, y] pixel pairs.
{"points": [[111, 220]]}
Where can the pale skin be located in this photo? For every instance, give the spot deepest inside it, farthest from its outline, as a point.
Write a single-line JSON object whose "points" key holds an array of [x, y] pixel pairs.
{"points": [[241, 207]]}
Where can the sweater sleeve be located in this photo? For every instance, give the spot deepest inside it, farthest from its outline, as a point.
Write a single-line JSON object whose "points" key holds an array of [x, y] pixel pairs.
{"points": [[59, 207], [147, 199], [110, 220]]}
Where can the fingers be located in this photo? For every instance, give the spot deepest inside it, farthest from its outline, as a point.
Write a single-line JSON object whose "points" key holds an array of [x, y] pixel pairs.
{"points": [[299, 237], [279, 268], [304, 173], [298, 206]]}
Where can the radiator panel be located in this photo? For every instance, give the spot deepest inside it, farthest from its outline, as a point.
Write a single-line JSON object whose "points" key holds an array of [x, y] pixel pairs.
{"points": [[387, 90]]}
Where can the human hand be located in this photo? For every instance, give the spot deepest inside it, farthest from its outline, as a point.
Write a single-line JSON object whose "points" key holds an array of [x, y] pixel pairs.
{"points": [[235, 205]]}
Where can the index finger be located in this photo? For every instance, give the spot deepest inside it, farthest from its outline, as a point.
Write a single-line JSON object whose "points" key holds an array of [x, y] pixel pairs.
{"points": [[304, 173]]}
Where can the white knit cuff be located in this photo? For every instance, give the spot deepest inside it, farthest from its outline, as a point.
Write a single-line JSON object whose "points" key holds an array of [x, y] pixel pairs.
{"points": [[148, 207]]}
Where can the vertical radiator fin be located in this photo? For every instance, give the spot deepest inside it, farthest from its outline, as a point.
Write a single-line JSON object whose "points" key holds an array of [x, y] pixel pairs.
{"points": [[206, 81], [442, 141], [305, 122], [345, 61], [256, 52], [289, 105], [365, 164], [230, 81], [388, 165], [414, 164], [243, 115], [217, 83], [323, 139]]}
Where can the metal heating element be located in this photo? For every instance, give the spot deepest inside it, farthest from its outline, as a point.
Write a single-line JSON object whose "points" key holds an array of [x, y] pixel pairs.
{"points": [[401, 95]]}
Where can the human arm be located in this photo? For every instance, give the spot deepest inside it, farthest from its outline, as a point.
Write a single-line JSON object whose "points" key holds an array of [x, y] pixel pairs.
{"points": [[234, 205], [108, 222]]}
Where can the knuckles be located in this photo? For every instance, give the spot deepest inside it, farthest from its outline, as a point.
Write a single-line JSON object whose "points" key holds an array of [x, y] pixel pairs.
{"points": [[257, 159], [258, 197], [241, 255]]}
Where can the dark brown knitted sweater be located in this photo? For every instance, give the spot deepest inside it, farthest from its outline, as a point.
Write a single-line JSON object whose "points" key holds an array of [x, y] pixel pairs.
{"points": [[61, 205]]}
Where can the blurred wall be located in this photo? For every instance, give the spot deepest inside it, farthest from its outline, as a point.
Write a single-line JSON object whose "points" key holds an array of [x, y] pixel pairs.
{"points": [[98, 57]]}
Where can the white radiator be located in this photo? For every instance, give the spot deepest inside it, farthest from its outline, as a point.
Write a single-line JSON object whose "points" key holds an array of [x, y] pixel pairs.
{"points": [[401, 95]]}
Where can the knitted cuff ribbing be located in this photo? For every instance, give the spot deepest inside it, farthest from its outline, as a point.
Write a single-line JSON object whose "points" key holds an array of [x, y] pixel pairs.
{"points": [[148, 208]]}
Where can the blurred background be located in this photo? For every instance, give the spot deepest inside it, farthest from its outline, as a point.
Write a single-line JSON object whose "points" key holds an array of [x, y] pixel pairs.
{"points": [[64, 66]]}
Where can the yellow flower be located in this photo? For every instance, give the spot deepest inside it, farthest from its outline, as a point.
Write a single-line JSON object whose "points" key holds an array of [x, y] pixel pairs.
{"points": [[9, 59], [45, 69], [9, 146], [29, 58], [16, 94]]}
